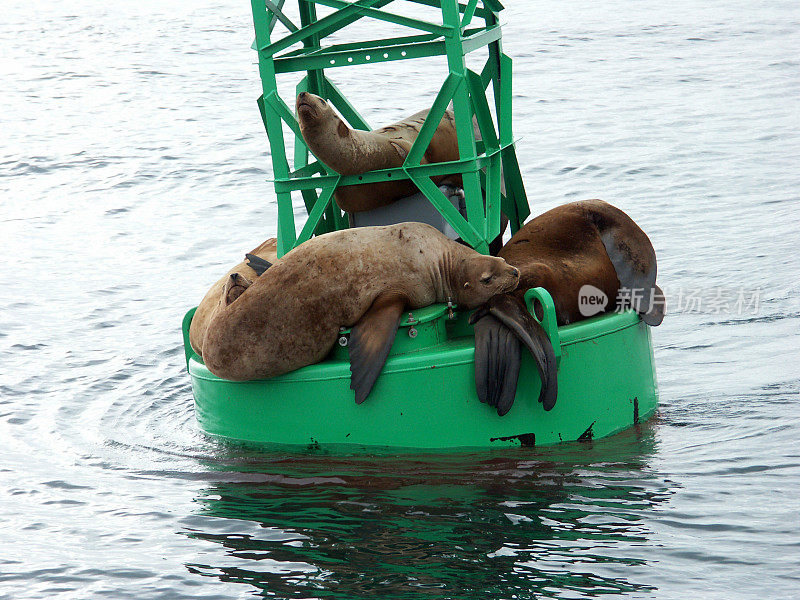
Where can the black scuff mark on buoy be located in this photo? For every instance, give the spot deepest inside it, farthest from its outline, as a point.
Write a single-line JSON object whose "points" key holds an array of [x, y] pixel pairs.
{"points": [[587, 435], [347, 436], [560, 439], [525, 439], [636, 410]]}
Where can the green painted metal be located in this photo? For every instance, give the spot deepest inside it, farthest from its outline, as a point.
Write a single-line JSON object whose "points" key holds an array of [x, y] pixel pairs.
{"points": [[425, 397], [462, 28]]}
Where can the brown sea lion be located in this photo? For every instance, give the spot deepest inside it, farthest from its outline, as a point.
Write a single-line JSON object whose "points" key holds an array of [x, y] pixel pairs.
{"points": [[582, 243], [362, 278], [267, 251], [353, 152]]}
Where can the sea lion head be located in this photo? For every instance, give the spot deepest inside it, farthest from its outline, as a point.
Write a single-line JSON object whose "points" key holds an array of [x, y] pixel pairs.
{"points": [[314, 112], [482, 277]]}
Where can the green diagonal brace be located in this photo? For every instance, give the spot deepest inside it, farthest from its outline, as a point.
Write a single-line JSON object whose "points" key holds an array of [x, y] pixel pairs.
{"points": [[432, 121], [343, 105], [278, 106], [482, 112], [277, 13], [324, 26], [481, 12], [448, 211], [389, 17], [315, 216], [469, 12]]}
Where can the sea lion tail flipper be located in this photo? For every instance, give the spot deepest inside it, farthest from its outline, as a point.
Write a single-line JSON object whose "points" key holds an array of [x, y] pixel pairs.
{"points": [[483, 351], [634, 260], [510, 311], [511, 351], [370, 342], [656, 308], [258, 264], [497, 362], [235, 286]]}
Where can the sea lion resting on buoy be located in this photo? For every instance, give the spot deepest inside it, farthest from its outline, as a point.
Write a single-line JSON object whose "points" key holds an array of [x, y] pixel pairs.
{"points": [[353, 152], [581, 243], [267, 252], [362, 278]]}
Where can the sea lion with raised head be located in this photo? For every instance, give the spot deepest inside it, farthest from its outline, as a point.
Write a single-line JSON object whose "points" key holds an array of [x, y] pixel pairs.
{"points": [[255, 263], [582, 243], [353, 152], [362, 278]]}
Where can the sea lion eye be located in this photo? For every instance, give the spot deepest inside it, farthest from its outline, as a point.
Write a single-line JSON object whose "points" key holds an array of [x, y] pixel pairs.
{"points": [[486, 279]]}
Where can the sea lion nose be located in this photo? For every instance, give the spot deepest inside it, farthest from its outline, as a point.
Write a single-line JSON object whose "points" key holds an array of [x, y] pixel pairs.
{"points": [[302, 95], [514, 272]]}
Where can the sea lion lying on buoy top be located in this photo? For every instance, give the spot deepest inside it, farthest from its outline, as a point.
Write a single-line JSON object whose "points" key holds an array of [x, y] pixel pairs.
{"points": [[362, 278], [577, 244], [256, 262], [353, 152]]}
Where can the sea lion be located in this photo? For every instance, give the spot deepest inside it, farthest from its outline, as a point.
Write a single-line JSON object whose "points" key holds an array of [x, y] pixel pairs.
{"points": [[577, 244], [353, 152], [267, 251], [362, 278]]}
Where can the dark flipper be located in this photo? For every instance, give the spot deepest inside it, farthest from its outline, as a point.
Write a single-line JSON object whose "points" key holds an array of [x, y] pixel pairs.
{"points": [[258, 264], [658, 306], [370, 342], [508, 371], [497, 358], [634, 261], [511, 312], [497, 362]]}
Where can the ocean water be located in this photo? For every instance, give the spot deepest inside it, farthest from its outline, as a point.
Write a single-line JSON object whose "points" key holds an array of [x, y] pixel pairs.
{"points": [[134, 170]]}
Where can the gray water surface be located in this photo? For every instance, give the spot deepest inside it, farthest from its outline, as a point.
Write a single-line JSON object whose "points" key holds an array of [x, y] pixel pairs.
{"points": [[133, 172]]}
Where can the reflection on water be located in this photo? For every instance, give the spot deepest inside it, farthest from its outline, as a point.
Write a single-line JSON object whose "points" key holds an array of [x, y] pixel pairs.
{"points": [[501, 524]]}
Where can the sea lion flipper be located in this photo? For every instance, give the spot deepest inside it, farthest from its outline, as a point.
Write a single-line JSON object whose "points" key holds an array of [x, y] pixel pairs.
{"points": [[497, 362], [370, 341], [258, 264], [634, 261], [512, 313], [655, 314], [488, 359], [508, 369]]}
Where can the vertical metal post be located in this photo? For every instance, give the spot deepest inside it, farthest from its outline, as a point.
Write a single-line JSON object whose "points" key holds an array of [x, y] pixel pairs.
{"points": [[463, 116], [280, 166]]}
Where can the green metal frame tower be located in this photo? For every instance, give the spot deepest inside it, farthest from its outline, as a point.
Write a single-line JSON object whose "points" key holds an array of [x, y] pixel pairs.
{"points": [[464, 28]]}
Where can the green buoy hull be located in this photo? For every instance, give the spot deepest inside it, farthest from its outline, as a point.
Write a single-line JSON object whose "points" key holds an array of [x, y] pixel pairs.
{"points": [[425, 397]]}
